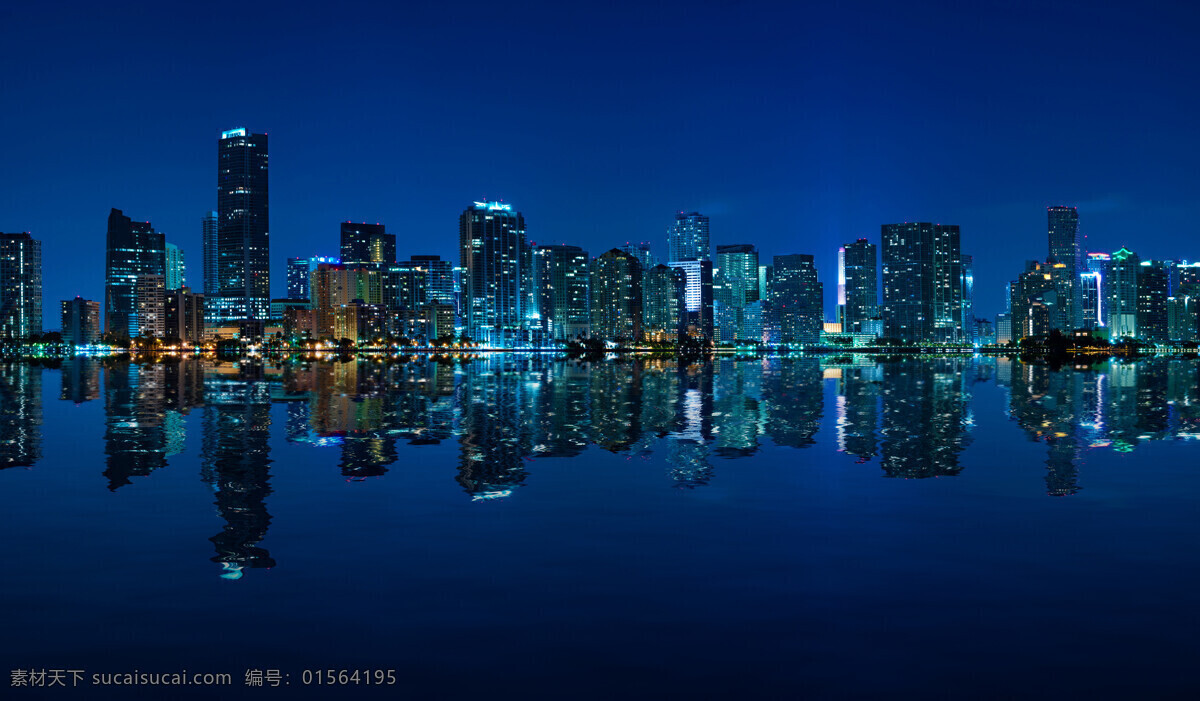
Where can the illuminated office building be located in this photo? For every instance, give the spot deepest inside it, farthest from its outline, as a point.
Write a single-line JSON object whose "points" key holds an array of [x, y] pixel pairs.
{"points": [[134, 250], [243, 227]]}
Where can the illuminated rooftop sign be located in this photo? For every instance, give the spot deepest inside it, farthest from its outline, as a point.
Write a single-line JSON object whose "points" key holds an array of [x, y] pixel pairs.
{"points": [[494, 206], [240, 131]]}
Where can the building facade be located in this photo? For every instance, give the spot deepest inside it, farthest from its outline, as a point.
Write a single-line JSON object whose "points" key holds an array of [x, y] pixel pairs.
{"points": [[243, 227], [616, 297], [861, 276], [688, 238], [496, 265], [133, 250], [922, 282], [797, 300], [80, 321], [564, 291]]}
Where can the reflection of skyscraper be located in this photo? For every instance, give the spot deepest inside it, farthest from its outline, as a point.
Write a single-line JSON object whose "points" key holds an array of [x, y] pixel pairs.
{"points": [[80, 380], [925, 418], [495, 402], [1046, 404], [235, 462], [20, 414], [135, 442], [792, 391], [858, 410], [737, 407]]}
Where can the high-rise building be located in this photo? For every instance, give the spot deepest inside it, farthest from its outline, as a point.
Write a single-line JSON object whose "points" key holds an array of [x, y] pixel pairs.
{"points": [[151, 306], [298, 272], [336, 286], [406, 285], [134, 249], [1035, 300], [564, 285], [922, 282], [1153, 291], [439, 285], [496, 260], [617, 296], [1182, 318], [1121, 294], [80, 321], [1091, 296], [20, 286], [687, 239], [208, 228], [176, 272], [664, 310], [861, 285], [1004, 332], [797, 300], [367, 246], [969, 333], [1063, 235], [243, 227], [184, 315], [641, 251], [698, 296], [735, 285]]}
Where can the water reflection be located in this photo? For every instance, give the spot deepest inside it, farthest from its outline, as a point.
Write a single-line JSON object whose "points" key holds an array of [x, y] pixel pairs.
{"points": [[504, 413]]}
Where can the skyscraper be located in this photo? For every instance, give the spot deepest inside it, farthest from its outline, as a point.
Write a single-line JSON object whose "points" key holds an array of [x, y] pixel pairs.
{"points": [[862, 285], [134, 249], [208, 230], [663, 306], [243, 226], [440, 283], [1154, 288], [564, 284], [735, 285], [922, 282], [367, 246], [641, 251], [687, 239], [1121, 294], [20, 286], [1063, 228], [797, 300], [698, 296], [175, 267], [494, 254], [617, 296], [298, 272]]}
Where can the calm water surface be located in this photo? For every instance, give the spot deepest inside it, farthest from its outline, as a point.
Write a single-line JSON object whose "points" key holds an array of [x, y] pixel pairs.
{"points": [[521, 526]]}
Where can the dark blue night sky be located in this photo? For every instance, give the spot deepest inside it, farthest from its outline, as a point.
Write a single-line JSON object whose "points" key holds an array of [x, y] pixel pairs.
{"points": [[796, 128]]}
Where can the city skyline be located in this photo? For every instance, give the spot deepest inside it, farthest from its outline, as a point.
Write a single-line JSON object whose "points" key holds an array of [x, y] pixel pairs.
{"points": [[594, 128]]}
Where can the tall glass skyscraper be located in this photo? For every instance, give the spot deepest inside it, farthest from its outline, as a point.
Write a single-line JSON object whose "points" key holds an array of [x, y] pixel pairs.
{"points": [[243, 226], [862, 285], [1121, 294], [797, 299], [298, 278], [687, 239], [564, 283], [134, 250], [176, 267], [922, 282], [20, 286], [1063, 236], [735, 285], [617, 296], [496, 262], [208, 229]]}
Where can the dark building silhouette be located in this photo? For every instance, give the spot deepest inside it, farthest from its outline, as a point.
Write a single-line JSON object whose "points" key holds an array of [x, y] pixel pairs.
{"points": [[243, 228], [134, 250]]}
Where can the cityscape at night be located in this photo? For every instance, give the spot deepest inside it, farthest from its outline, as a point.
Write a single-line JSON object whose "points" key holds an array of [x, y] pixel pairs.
{"points": [[706, 350]]}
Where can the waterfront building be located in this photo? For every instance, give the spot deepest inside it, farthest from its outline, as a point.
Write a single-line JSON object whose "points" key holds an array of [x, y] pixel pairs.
{"points": [[617, 297], [184, 315], [797, 299], [80, 321], [698, 296], [175, 268], [1121, 295], [1153, 290], [664, 309], [735, 284], [1063, 237], [151, 306], [564, 287], [496, 274], [922, 282], [860, 282], [133, 250], [20, 286], [243, 227]]}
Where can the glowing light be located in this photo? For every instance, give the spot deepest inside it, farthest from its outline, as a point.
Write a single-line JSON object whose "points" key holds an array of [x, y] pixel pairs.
{"points": [[240, 131]]}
